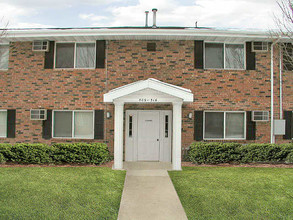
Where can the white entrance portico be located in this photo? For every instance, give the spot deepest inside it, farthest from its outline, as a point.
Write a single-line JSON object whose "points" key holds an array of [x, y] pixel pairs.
{"points": [[150, 91]]}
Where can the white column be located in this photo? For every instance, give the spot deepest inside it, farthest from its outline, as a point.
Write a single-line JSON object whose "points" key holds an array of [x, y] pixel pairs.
{"points": [[176, 148], [118, 136]]}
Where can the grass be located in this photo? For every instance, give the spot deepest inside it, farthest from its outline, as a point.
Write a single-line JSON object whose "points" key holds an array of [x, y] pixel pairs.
{"points": [[60, 193], [235, 192]]}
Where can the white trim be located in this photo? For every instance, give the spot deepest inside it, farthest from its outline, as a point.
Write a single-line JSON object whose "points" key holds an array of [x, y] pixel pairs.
{"points": [[73, 112], [4, 110], [178, 92], [224, 132], [74, 55], [6, 44], [224, 55]]}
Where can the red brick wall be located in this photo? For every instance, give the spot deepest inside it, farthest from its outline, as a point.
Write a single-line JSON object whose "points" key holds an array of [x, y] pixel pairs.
{"points": [[28, 85]]}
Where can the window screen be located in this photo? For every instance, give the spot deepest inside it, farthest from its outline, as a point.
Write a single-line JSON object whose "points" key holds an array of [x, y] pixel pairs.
{"points": [[64, 55], [3, 123], [63, 124], [214, 55], [83, 124], [85, 55], [234, 125], [234, 56], [214, 125], [4, 56]]}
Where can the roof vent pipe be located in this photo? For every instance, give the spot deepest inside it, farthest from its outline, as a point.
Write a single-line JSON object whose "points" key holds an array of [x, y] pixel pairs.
{"points": [[154, 10], [146, 18]]}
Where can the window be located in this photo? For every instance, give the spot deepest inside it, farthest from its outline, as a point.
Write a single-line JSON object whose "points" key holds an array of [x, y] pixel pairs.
{"points": [[38, 114], [224, 56], [75, 55], [287, 56], [166, 126], [3, 123], [4, 56], [73, 124], [224, 125], [130, 126]]}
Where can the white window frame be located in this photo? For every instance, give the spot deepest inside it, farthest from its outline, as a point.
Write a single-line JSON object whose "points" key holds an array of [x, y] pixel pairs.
{"points": [[224, 56], [5, 44], [224, 138], [263, 45], [74, 56], [73, 128], [4, 110]]}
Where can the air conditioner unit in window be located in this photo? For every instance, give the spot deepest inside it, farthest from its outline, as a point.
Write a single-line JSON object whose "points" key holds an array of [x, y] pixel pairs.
{"points": [[260, 116], [38, 114], [41, 45], [259, 46]]}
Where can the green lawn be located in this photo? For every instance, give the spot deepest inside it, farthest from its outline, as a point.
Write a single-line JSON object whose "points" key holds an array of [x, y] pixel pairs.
{"points": [[60, 193], [235, 192]]}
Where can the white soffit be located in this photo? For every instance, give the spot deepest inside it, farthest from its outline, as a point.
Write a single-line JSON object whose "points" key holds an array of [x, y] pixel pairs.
{"points": [[184, 94], [91, 34]]}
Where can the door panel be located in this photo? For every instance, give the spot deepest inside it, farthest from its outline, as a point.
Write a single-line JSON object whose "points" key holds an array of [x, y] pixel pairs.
{"points": [[148, 136]]}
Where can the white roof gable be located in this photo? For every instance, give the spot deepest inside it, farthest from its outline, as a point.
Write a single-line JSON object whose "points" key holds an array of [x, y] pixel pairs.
{"points": [[178, 92]]}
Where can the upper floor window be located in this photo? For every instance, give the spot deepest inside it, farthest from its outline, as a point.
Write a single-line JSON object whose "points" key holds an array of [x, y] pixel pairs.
{"points": [[75, 55], [224, 56], [4, 56]]}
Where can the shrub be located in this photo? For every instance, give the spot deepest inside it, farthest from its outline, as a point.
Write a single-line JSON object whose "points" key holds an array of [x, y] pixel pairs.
{"points": [[2, 158], [96, 153], [213, 153]]}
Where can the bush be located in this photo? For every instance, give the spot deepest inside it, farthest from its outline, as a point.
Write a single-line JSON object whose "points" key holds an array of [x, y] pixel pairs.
{"points": [[96, 153], [214, 153], [2, 158]]}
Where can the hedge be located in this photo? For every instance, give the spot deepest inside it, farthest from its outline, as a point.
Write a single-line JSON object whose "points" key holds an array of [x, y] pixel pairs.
{"points": [[214, 153], [81, 153]]}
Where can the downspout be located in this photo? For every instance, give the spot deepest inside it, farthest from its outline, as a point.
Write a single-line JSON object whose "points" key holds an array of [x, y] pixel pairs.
{"points": [[281, 85], [272, 91], [106, 86]]}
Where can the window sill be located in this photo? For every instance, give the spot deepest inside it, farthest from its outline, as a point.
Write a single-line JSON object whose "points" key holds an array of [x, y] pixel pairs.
{"points": [[224, 69], [4, 69], [74, 68], [224, 139], [73, 138]]}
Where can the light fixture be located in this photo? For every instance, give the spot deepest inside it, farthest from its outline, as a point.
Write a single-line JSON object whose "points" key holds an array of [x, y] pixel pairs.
{"points": [[108, 114], [190, 115]]}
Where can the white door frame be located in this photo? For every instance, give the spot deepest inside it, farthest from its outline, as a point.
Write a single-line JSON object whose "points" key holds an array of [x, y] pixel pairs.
{"points": [[131, 137]]}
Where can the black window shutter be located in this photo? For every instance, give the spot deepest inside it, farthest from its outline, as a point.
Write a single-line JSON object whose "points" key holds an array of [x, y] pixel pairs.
{"points": [[288, 116], [198, 125], [198, 54], [99, 124], [49, 56], [250, 57], [11, 119], [100, 53], [47, 126], [250, 126]]}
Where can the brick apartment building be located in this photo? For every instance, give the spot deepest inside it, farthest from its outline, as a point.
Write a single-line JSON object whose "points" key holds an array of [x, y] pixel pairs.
{"points": [[146, 92]]}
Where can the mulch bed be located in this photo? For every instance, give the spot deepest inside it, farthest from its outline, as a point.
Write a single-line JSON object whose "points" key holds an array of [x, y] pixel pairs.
{"points": [[189, 164], [108, 164]]}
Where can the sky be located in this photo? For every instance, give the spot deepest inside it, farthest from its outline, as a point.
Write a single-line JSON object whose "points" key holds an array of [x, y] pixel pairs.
{"points": [[239, 14]]}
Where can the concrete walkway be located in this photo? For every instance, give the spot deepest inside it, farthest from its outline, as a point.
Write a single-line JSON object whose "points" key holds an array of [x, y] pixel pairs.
{"points": [[149, 193]]}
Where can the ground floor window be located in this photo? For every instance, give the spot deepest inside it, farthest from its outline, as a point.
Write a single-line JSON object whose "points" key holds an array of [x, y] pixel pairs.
{"points": [[3, 123], [73, 124], [224, 125]]}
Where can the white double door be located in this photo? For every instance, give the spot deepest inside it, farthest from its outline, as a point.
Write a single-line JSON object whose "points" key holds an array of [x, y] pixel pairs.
{"points": [[148, 135]]}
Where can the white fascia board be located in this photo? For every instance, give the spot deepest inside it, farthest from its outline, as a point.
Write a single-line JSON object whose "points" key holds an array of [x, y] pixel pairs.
{"points": [[183, 94], [134, 33]]}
